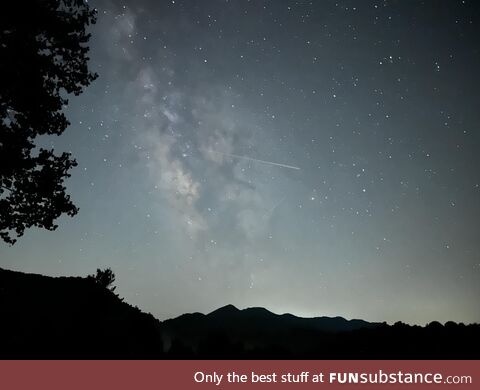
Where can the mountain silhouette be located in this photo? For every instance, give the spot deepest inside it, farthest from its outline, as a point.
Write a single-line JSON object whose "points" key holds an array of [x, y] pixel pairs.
{"points": [[75, 318], [254, 332], [257, 319]]}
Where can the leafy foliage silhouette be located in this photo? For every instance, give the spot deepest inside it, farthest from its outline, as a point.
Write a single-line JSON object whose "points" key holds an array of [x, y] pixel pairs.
{"points": [[43, 58], [104, 278]]}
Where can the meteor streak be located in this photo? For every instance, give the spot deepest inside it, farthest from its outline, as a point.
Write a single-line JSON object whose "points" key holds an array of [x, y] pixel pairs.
{"points": [[255, 160], [269, 213]]}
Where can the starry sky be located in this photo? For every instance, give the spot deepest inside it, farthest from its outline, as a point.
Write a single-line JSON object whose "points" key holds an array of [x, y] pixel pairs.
{"points": [[312, 157]]}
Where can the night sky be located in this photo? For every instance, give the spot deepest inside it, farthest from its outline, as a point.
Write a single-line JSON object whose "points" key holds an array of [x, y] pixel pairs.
{"points": [[318, 158]]}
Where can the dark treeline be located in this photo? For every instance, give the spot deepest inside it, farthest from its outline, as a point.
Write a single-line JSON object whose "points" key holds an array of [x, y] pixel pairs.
{"points": [[83, 318], [400, 341]]}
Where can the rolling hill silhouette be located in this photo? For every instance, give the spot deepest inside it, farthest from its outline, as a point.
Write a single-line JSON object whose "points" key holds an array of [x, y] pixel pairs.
{"points": [[253, 331], [258, 333], [73, 317], [70, 317], [260, 319]]}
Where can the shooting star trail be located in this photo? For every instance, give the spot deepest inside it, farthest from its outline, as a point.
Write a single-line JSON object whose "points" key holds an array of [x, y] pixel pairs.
{"points": [[255, 160], [269, 213]]}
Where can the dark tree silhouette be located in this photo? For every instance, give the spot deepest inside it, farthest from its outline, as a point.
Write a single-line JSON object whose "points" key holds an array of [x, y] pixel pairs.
{"points": [[43, 58], [104, 278]]}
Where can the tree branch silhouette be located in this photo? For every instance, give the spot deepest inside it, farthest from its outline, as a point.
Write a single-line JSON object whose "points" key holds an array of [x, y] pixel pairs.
{"points": [[43, 51]]}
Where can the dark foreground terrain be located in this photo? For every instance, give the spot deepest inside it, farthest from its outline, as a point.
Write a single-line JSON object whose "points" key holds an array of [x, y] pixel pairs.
{"points": [[76, 318]]}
